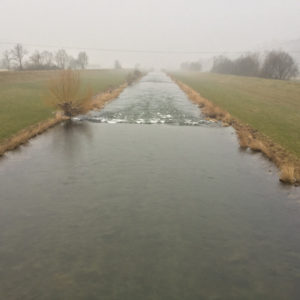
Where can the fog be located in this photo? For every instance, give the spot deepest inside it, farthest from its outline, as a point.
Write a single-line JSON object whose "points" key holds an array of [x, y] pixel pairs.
{"points": [[152, 33]]}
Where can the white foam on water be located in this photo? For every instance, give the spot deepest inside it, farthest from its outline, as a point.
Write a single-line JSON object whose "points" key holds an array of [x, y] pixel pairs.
{"points": [[156, 99]]}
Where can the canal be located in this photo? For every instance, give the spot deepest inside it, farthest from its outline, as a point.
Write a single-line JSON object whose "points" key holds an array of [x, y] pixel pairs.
{"points": [[145, 200]]}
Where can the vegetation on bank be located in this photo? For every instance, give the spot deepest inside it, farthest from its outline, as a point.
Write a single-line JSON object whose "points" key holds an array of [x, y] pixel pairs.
{"points": [[275, 65], [22, 95], [65, 93], [268, 112]]}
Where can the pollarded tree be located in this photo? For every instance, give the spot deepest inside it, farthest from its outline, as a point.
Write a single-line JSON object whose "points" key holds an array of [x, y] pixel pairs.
{"points": [[18, 53], [279, 65], [66, 93]]}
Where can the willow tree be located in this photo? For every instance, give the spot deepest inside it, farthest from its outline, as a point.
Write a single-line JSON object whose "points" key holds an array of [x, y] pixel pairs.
{"points": [[67, 94]]}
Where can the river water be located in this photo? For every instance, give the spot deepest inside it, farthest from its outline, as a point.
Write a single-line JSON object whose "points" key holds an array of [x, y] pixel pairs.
{"points": [[145, 200]]}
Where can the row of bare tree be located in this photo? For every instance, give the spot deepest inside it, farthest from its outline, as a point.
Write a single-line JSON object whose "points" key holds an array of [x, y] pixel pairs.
{"points": [[275, 65], [191, 66], [15, 58]]}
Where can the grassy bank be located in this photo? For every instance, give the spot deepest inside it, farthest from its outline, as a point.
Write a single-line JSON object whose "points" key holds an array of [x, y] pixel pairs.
{"points": [[270, 106], [249, 110], [22, 96]]}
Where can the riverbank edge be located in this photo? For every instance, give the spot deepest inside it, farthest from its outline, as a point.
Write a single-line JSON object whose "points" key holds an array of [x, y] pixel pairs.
{"points": [[248, 137], [26, 134]]}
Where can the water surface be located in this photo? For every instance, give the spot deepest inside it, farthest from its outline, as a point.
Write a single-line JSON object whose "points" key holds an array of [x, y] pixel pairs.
{"points": [[133, 211]]}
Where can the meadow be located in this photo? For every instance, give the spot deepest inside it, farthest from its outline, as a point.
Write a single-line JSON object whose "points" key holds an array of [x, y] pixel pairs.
{"points": [[23, 95], [270, 106]]}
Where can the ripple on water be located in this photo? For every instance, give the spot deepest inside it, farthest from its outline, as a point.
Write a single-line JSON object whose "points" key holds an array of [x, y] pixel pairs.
{"points": [[155, 100]]}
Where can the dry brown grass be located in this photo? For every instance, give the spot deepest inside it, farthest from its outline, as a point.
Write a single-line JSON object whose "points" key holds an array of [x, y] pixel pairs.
{"points": [[101, 99], [288, 164], [256, 145], [209, 109], [288, 174], [259, 146], [244, 138]]}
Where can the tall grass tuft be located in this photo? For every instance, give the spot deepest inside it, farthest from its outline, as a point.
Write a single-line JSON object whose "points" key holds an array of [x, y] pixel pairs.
{"points": [[288, 174], [244, 138]]}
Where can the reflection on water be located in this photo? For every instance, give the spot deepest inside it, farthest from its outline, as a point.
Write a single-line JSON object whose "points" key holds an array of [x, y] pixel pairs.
{"points": [[99, 211], [154, 100]]}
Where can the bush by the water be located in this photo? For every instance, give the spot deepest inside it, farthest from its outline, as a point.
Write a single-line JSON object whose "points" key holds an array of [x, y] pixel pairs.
{"points": [[65, 93], [133, 76]]}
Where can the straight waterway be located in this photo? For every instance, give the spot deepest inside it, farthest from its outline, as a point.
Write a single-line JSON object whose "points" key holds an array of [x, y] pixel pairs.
{"points": [[145, 200]]}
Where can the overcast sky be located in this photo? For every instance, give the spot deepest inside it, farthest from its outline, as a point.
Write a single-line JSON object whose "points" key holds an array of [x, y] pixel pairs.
{"points": [[176, 25]]}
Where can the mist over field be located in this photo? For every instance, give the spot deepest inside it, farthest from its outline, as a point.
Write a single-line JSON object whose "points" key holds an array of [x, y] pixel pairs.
{"points": [[151, 33]]}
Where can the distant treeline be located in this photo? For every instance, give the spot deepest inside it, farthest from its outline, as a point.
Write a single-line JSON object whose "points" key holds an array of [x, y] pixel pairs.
{"points": [[191, 66], [42, 60], [275, 65]]}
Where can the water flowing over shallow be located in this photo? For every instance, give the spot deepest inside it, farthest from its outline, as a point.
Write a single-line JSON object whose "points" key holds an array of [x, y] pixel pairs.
{"points": [[129, 211], [154, 100]]}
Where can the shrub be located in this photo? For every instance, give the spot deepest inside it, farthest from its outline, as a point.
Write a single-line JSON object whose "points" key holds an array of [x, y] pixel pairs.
{"points": [[133, 76], [65, 93], [279, 65]]}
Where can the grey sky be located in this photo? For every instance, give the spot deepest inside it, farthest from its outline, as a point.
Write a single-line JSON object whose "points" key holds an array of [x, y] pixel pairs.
{"points": [[190, 25]]}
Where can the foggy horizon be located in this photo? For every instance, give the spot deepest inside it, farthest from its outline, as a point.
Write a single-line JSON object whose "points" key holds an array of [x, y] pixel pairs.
{"points": [[150, 33]]}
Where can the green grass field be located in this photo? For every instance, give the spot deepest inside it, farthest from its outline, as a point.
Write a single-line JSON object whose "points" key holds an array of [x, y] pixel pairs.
{"points": [[23, 95], [270, 106]]}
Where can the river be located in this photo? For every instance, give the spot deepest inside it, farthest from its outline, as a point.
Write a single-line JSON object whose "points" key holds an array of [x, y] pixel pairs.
{"points": [[146, 200]]}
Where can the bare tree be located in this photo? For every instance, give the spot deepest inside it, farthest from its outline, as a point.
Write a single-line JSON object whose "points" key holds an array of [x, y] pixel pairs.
{"points": [[82, 60], [223, 65], [247, 65], [73, 63], [62, 59], [18, 53], [279, 65], [36, 60], [118, 65], [66, 93], [191, 66], [47, 59], [40, 61], [6, 59]]}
